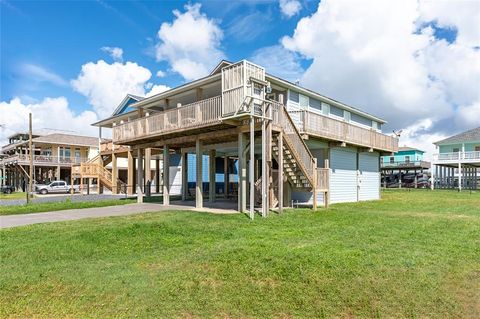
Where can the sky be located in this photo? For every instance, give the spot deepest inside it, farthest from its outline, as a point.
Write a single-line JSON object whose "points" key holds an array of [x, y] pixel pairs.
{"points": [[414, 63]]}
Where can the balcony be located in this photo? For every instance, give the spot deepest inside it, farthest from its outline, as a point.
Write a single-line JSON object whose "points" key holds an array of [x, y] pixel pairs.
{"points": [[191, 116], [405, 165], [326, 127], [457, 157], [41, 160]]}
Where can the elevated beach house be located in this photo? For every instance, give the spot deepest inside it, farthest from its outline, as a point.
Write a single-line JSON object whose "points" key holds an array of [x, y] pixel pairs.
{"points": [[53, 157], [247, 137], [457, 163], [404, 168]]}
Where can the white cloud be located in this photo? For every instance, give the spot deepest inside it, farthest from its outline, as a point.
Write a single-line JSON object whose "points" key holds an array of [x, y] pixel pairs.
{"points": [[41, 74], [373, 56], [290, 8], [161, 74], [156, 89], [114, 52], [418, 135], [279, 62], [50, 113], [191, 43], [105, 85]]}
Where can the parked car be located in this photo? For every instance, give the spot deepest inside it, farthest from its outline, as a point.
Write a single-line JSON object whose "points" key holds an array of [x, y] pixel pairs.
{"points": [[55, 187], [7, 189]]}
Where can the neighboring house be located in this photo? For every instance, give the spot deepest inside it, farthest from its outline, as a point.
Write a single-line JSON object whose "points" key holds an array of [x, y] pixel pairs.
{"points": [[405, 168], [262, 128], [457, 163], [54, 155]]}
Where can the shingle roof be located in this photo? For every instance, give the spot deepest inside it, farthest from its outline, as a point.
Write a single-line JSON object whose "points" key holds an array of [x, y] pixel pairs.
{"points": [[467, 136], [408, 148], [67, 139]]}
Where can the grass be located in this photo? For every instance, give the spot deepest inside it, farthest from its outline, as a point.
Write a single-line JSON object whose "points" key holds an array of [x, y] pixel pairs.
{"points": [[413, 254], [55, 206], [15, 195]]}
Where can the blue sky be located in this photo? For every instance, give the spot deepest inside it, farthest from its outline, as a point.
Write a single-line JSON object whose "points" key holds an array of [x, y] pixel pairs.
{"points": [[61, 36], [415, 63]]}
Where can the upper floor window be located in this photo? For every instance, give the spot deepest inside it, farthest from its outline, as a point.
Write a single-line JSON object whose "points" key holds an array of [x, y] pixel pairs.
{"points": [[315, 104], [392, 159], [407, 159], [336, 111], [456, 150], [303, 100], [477, 148], [294, 96]]}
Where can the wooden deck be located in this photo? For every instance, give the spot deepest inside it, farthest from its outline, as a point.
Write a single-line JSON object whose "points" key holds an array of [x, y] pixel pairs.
{"points": [[206, 115]]}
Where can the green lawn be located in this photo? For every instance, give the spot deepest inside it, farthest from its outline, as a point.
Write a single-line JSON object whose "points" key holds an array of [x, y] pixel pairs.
{"points": [[67, 204], [413, 254], [15, 195]]}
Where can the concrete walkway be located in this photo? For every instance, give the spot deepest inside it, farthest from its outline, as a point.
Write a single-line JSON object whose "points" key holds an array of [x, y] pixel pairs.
{"points": [[9, 221]]}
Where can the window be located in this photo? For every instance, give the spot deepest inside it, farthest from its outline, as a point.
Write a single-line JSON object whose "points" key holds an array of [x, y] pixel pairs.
{"points": [[361, 120], [392, 159], [456, 150], [47, 151], [77, 153], [336, 111], [61, 152], [381, 160], [477, 148], [67, 152], [55, 184], [315, 104], [303, 101], [294, 96], [407, 159]]}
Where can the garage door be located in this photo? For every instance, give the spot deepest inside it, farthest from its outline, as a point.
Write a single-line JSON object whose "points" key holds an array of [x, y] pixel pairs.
{"points": [[343, 178], [369, 176]]}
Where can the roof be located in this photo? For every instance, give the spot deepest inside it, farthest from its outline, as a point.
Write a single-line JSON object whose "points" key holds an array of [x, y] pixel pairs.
{"points": [[125, 103], [472, 135], [67, 139], [408, 148]]}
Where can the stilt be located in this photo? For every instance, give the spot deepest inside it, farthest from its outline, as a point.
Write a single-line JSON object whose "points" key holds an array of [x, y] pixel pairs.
{"points": [[148, 168], [460, 180], [130, 170], [265, 177], [157, 176], [242, 173], [226, 178], [199, 179], [114, 174], [251, 175], [166, 176], [211, 178], [280, 172], [140, 182], [184, 163]]}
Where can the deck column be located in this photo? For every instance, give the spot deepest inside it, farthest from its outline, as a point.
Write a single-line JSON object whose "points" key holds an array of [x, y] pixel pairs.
{"points": [[242, 173], [140, 183], [157, 175], [225, 176], [251, 164], [148, 168], [280, 172], [130, 170], [460, 180], [199, 177], [184, 163], [114, 174], [211, 178], [166, 176], [99, 183]]}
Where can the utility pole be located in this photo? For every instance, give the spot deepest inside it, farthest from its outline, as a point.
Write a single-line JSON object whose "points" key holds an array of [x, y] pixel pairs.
{"points": [[30, 177]]}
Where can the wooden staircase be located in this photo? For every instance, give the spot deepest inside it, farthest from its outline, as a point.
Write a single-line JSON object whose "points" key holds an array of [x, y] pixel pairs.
{"points": [[94, 169]]}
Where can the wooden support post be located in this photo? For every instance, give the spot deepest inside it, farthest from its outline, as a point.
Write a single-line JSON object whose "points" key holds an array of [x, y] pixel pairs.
{"points": [[242, 173], [251, 175], [81, 185], [460, 179], [326, 198], [114, 174], [211, 178], [140, 180], [315, 185], [130, 170], [88, 185], [57, 175], [199, 177], [157, 176], [226, 178], [265, 175], [184, 162], [99, 183], [148, 167], [280, 172], [29, 190], [166, 176]]}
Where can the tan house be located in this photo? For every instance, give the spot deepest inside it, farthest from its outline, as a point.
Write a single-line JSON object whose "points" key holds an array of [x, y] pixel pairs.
{"points": [[54, 155]]}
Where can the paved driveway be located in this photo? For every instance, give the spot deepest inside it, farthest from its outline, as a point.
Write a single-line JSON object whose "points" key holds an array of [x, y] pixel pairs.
{"points": [[73, 214]]}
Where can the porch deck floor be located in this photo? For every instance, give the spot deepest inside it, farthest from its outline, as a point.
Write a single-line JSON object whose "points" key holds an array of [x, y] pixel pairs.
{"points": [[220, 206]]}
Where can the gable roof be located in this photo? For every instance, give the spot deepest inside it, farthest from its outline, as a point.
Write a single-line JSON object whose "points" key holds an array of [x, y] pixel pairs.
{"points": [[67, 139], [408, 148], [127, 101], [220, 66], [472, 135]]}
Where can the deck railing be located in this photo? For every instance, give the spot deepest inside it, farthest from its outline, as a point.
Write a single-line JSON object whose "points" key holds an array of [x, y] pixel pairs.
{"points": [[109, 147], [457, 156], [43, 159], [327, 127], [401, 164], [194, 115]]}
